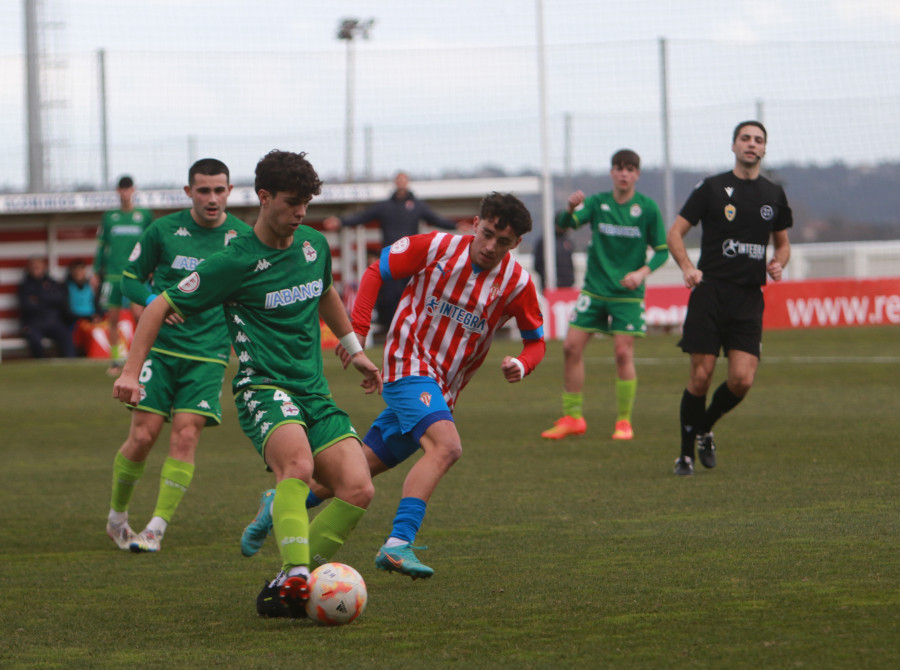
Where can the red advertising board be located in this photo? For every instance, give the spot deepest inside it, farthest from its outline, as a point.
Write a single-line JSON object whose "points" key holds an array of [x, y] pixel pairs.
{"points": [[832, 302], [820, 303]]}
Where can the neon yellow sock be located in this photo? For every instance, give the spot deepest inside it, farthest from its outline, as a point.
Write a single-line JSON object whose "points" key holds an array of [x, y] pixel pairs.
{"points": [[174, 480], [330, 529], [126, 474], [291, 522], [626, 389], [571, 403]]}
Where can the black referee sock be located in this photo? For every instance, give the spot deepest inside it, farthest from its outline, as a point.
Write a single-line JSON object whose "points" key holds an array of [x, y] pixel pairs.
{"points": [[723, 401], [693, 408]]}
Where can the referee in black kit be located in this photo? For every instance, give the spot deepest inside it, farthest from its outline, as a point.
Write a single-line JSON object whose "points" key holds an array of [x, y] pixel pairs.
{"points": [[738, 212]]}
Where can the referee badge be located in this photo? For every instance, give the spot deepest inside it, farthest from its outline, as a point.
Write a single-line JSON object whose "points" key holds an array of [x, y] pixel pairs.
{"points": [[730, 212]]}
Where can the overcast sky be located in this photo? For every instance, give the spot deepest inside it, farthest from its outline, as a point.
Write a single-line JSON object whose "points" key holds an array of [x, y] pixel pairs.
{"points": [[417, 27], [287, 24]]}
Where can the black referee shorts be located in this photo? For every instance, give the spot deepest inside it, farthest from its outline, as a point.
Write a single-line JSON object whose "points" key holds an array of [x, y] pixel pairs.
{"points": [[723, 316]]}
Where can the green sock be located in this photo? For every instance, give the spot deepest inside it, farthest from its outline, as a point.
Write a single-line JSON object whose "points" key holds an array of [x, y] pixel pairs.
{"points": [[291, 522], [625, 392], [572, 403], [126, 474], [174, 480], [330, 529]]}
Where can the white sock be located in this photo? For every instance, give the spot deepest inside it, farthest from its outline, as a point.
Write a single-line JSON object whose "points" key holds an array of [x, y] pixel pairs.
{"points": [[158, 525], [299, 570], [394, 542], [117, 518]]}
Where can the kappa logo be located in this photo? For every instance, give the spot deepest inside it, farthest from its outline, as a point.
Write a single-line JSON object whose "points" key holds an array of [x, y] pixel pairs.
{"points": [[244, 357], [260, 415], [604, 207], [263, 264], [248, 395], [182, 232], [263, 429], [248, 371], [253, 404], [236, 320], [425, 398], [203, 405], [135, 253], [241, 338]]}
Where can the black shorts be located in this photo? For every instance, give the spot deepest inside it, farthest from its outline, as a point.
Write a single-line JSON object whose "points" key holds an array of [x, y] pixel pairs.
{"points": [[723, 316]]}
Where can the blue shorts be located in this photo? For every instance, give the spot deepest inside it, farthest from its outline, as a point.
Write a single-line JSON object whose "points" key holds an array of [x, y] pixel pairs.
{"points": [[413, 404]]}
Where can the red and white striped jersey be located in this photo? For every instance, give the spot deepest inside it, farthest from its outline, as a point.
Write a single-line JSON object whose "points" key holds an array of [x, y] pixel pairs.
{"points": [[450, 309]]}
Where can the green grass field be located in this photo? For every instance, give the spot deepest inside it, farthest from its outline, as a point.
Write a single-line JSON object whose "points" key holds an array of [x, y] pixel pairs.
{"points": [[582, 554]]}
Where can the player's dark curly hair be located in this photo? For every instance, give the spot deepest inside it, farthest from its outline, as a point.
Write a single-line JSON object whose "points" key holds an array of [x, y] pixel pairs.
{"points": [[508, 210], [287, 172]]}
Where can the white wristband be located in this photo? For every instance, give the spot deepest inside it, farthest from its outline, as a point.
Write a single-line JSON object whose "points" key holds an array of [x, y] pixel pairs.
{"points": [[351, 343], [521, 366]]}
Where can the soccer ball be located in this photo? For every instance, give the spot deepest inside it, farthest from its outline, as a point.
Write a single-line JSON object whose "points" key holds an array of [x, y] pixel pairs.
{"points": [[337, 594]]}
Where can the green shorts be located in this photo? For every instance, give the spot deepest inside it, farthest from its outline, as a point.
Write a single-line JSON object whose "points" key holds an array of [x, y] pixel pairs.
{"points": [[172, 384], [111, 295], [614, 316], [262, 409]]}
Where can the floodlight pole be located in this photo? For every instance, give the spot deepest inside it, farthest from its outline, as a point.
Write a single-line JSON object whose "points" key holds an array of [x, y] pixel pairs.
{"points": [[549, 226], [33, 99], [104, 125], [348, 29]]}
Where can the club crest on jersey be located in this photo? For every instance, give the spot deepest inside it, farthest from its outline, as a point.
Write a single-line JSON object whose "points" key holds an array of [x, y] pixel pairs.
{"points": [[230, 235], [425, 398], [636, 211], [495, 290], [135, 253], [766, 212], [190, 283], [400, 245], [309, 252], [290, 409], [730, 212]]}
